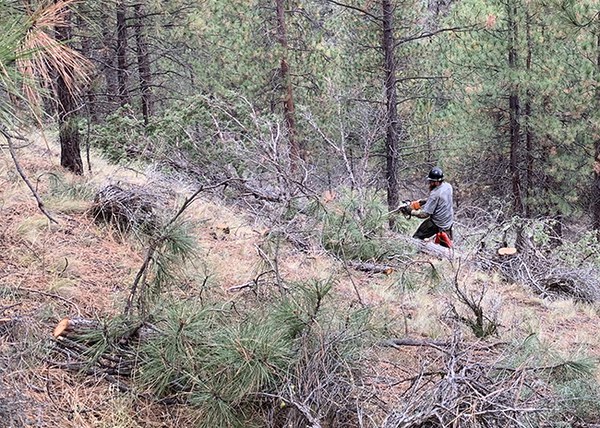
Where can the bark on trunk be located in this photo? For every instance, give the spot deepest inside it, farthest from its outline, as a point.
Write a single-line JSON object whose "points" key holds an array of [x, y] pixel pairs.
{"points": [[514, 113], [393, 125], [70, 152], [87, 52], [144, 72], [288, 99], [596, 180], [528, 127], [122, 66], [108, 57]]}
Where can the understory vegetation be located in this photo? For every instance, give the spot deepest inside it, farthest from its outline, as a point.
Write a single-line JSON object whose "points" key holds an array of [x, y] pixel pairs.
{"points": [[200, 220], [280, 352]]}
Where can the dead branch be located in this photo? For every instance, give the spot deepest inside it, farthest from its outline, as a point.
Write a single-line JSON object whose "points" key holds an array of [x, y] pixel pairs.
{"points": [[252, 284], [140, 278], [397, 343], [52, 295], [301, 407], [126, 209], [545, 274], [6, 308], [9, 137], [371, 267], [470, 388]]}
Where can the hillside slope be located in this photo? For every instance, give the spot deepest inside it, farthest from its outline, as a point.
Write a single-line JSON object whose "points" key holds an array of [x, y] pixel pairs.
{"points": [[78, 268]]}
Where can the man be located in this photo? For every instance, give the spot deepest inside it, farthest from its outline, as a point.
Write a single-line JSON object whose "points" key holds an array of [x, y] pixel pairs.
{"points": [[437, 209]]}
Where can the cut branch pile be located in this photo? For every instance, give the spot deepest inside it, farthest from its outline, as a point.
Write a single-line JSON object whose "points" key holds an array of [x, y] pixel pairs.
{"points": [[127, 209], [468, 387], [546, 274], [85, 345]]}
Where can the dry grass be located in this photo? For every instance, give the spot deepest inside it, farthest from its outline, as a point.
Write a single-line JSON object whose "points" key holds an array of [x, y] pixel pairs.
{"points": [[51, 271]]}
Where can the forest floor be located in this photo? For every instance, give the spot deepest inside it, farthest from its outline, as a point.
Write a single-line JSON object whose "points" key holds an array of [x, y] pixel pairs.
{"points": [[78, 268]]}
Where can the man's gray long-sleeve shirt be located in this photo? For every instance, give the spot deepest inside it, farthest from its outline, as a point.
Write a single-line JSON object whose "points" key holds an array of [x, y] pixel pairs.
{"points": [[439, 206]]}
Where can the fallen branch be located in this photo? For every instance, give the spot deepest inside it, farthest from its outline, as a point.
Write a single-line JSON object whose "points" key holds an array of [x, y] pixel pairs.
{"points": [[250, 284], [372, 267], [397, 343], [6, 308], [9, 137], [302, 408], [52, 295]]}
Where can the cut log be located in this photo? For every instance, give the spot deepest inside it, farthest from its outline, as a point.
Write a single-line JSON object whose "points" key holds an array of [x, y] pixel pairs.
{"points": [[60, 327], [75, 326], [507, 251], [372, 267]]}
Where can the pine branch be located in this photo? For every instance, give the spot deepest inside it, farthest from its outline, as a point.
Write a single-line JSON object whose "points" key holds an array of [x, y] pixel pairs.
{"points": [[140, 278]]}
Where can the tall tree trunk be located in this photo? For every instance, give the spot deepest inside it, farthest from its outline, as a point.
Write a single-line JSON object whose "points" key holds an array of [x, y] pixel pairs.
{"points": [[514, 111], [528, 127], [288, 99], [122, 65], [393, 124], [596, 179], [86, 51], [143, 64], [109, 67], [70, 152]]}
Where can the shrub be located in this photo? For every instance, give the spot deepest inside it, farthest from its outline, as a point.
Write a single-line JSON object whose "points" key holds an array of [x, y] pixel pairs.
{"points": [[356, 228], [237, 368]]}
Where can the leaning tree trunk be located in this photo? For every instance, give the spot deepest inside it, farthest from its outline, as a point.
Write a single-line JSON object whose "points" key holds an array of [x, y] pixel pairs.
{"points": [[393, 123], [70, 152]]}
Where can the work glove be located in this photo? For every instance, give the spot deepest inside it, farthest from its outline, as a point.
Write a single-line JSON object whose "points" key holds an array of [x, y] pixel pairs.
{"points": [[405, 208], [415, 205]]}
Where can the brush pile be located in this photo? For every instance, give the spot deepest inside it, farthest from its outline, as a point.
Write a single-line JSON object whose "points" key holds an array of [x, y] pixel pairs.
{"points": [[481, 385], [127, 209], [546, 274]]}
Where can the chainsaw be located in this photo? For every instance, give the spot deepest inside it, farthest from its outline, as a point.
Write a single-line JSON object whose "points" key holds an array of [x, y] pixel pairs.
{"points": [[405, 208]]}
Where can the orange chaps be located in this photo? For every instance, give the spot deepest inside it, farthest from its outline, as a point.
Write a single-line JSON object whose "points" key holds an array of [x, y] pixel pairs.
{"points": [[442, 238]]}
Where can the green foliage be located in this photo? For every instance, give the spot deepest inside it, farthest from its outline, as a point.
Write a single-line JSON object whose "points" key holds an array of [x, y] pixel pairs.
{"points": [[120, 136], [585, 249], [575, 388], [580, 398], [225, 363], [14, 29], [551, 159], [416, 275], [296, 312], [355, 228], [172, 247]]}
